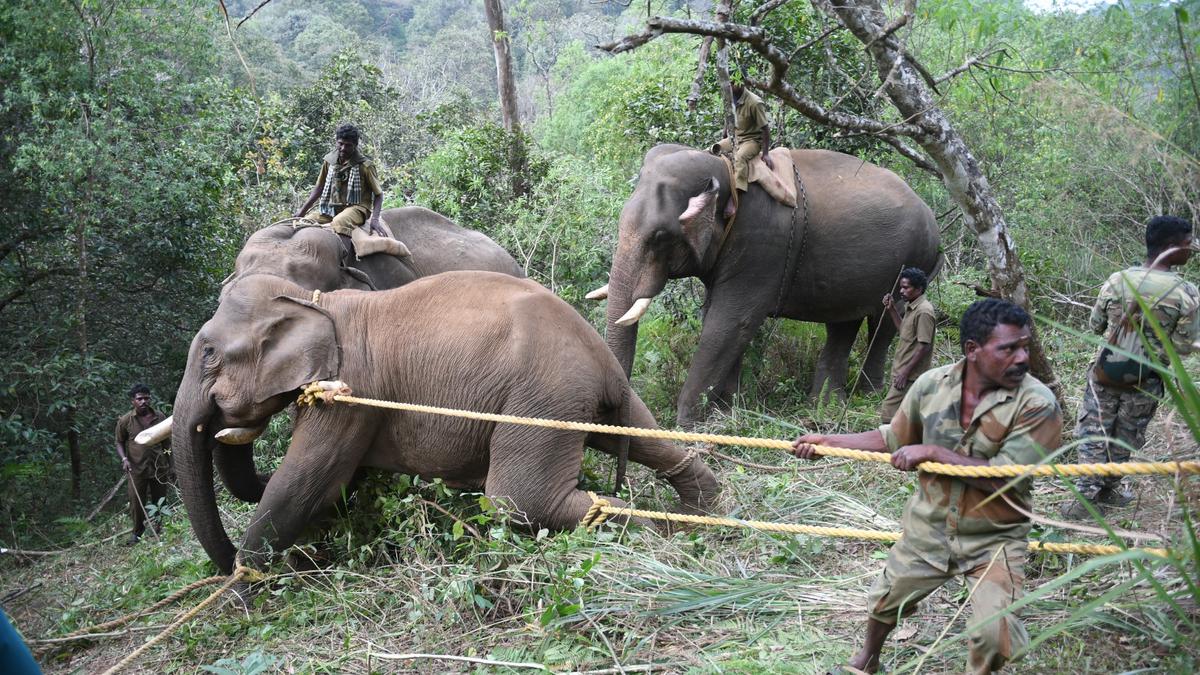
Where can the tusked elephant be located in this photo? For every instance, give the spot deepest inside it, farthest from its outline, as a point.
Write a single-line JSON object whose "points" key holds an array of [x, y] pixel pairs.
{"points": [[830, 260], [315, 259], [470, 340]]}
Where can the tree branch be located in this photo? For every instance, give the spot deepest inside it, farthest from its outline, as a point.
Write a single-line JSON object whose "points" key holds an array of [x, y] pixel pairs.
{"points": [[967, 65], [764, 9], [758, 40], [806, 45], [252, 13]]}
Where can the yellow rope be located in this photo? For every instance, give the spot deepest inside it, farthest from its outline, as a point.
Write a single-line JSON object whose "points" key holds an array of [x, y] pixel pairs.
{"points": [[238, 575], [604, 508], [313, 392]]}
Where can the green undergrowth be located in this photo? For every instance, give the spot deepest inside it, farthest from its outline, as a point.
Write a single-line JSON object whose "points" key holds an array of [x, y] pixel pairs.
{"points": [[411, 566]]}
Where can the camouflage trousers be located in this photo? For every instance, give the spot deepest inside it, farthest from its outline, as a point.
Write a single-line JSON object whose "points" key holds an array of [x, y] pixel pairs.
{"points": [[994, 585], [1112, 413]]}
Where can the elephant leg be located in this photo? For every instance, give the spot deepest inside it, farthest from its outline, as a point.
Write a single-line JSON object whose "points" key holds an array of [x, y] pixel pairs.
{"points": [[830, 376], [880, 331], [235, 464], [319, 464], [728, 328], [725, 390], [535, 472], [691, 478]]}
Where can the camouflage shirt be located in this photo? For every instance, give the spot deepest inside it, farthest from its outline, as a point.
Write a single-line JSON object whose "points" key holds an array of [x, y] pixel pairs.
{"points": [[944, 520], [1174, 302]]}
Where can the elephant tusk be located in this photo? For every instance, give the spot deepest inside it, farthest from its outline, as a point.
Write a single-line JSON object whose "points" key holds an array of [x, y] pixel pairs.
{"points": [[155, 434], [239, 435], [635, 313], [598, 294]]}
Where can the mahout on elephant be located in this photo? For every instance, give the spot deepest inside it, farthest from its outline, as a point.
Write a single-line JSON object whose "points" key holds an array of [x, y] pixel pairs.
{"points": [[470, 340], [828, 260]]}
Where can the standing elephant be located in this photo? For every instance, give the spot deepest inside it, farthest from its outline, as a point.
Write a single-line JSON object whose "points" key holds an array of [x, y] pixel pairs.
{"points": [[829, 260], [471, 340], [316, 257]]}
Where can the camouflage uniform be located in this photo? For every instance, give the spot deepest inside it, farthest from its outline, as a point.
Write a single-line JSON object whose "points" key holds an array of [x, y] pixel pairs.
{"points": [[1122, 413], [947, 531], [916, 329]]}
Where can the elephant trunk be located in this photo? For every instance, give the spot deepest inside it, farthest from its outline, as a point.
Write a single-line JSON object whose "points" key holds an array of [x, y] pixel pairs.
{"points": [[192, 442], [235, 464], [622, 340]]}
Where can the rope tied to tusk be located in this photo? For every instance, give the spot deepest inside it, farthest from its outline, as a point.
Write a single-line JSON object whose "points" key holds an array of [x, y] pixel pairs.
{"points": [[325, 391]]}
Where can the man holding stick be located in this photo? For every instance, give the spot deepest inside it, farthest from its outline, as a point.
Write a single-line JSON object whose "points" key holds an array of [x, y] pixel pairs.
{"points": [[147, 468]]}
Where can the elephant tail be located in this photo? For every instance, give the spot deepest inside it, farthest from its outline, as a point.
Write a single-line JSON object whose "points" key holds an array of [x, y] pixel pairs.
{"points": [[938, 264], [623, 419]]}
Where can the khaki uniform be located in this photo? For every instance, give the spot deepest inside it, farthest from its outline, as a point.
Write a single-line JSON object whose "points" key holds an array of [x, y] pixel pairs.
{"points": [[947, 531], [916, 329], [1123, 413], [347, 216], [149, 467], [750, 116]]}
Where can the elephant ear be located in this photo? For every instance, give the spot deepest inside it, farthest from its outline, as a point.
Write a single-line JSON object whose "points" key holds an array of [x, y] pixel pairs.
{"points": [[298, 345], [699, 219]]}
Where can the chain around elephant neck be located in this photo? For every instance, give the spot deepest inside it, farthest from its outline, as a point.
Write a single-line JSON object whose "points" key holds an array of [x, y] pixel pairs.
{"points": [[791, 236]]}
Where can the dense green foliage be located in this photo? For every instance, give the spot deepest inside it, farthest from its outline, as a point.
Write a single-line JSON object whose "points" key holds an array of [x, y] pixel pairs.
{"points": [[137, 152]]}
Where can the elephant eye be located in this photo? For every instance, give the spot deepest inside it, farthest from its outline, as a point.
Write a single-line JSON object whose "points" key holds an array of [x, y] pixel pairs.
{"points": [[208, 352]]}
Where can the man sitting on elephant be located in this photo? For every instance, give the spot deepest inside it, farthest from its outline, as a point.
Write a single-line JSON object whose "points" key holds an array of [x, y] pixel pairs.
{"points": [[751, 137], [350, 195]]}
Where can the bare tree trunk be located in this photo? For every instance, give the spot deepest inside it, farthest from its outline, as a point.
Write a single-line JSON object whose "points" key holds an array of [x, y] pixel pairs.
{"points": [[508, 93], [76, 455], [906, 87], [504, 78], [693, 98], [722, 15]]}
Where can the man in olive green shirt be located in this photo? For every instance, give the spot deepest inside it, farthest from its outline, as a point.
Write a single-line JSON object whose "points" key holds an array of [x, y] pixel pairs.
{"points": [[985, 410], [914, 351], [147, 468], [1121, 406], [350, 196], [752, 133]]}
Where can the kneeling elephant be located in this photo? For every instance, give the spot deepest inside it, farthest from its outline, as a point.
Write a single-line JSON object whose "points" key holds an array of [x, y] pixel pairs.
{"points": [[471, 340]]}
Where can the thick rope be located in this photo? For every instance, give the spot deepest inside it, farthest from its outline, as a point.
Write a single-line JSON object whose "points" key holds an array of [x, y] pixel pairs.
{"points": [[601, 509], [325, 393], [238, 575]]}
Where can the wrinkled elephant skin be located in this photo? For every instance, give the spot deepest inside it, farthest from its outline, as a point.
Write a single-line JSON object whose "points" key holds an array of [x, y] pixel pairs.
{"points": [[830, 261], [314, 257], [472, 340]]}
